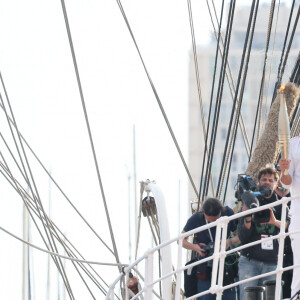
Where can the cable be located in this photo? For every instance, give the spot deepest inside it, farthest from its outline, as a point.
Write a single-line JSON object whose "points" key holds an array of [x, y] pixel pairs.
{"points": [[263, 78], [230, 81], [89, 130], [198, 83], [63, 256], [158, 100], [33, 186], [251, 22], [202, 180], [66, 248], [53, 180], [219, 92]]}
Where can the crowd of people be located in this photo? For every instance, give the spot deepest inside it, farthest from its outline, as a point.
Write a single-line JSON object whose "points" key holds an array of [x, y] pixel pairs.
{"points": [[262, 257]]}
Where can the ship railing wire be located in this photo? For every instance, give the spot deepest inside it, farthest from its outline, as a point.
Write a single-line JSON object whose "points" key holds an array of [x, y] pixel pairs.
{"points": [[218, 258]]}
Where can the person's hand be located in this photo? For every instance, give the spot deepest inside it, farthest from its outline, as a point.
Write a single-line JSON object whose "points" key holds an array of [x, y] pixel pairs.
{"points": [[244, 207], [284, 164], [228, 243], [200, 249], [272, 218]]}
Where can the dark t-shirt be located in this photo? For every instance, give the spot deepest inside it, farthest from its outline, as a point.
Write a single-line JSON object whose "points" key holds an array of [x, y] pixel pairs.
{"points": [[255, 233], [198, 219]]}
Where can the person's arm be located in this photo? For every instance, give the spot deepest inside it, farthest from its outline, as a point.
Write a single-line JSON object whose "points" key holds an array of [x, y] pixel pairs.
{"points": [[247, 219], [195, 247], [244, 228], [285, 179], [233, 241]]}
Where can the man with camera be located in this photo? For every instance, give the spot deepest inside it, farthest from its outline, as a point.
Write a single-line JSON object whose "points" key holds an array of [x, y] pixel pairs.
{"points": [[212, 209], [261, 258]]}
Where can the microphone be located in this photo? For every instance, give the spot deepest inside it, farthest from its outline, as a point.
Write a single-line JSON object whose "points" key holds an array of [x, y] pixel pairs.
{"points": [[250, 200]]}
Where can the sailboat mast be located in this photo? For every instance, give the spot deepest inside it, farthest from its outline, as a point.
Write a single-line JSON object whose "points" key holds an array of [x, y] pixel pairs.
{"points": [[134, 184], [129, 218], [48, 261], [25, 284]]}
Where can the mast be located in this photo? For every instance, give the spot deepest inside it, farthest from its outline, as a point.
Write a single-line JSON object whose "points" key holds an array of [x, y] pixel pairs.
{"points": [[129, 218], [48, 257], [179, 215], [134, 185], [25, 284]]}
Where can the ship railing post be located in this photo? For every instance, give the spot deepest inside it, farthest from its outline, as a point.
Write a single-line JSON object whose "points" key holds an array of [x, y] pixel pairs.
{"points": [[281, 251], [126, 280], [179, 265], [111, 293], [222, 254], [216, 256], [148, 275]]}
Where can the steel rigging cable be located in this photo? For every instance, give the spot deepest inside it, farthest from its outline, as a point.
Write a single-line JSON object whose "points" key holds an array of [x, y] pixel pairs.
{"points": [[251, 22], [263, 75], [198, 84], [279, 75], [230, 81], [219, 96], [290, 42], [202, 183], [157, 98]]}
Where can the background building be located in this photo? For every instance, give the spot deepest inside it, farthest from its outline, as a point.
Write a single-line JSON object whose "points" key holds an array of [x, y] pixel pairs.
{"points": [[206, 57]]}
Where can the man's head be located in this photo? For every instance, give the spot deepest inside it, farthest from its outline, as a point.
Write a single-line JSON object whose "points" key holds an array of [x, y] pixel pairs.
{"points": [[268, 177], [212, 209]]}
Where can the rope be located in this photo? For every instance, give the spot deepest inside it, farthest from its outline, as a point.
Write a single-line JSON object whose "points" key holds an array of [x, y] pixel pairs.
{"points": [[36, 197], [198, 84], [68, 250], [272, 56], [202, 180], [278, 83], [252, 17], [262, 80], [17, 187], [23, 193], [60, 255], [223, 169], [263, 107], [158, 99], [53, 181], [219, 92], [231, 84], [89, 130], [290, 42]]}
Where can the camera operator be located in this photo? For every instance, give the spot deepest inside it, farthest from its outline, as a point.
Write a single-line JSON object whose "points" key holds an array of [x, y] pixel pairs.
{"points": [[212, 209], [261, 258]]}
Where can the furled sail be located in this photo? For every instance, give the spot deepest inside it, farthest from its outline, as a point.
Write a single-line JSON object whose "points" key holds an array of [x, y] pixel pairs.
{"points": [[267, 148]]}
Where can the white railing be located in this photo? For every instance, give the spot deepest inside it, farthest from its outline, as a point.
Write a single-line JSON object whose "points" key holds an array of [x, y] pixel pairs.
{"points": [[218, 258]]}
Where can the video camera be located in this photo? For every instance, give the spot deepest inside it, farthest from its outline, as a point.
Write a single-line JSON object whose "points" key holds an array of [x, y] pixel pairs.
{"points": [[252, 197]]}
